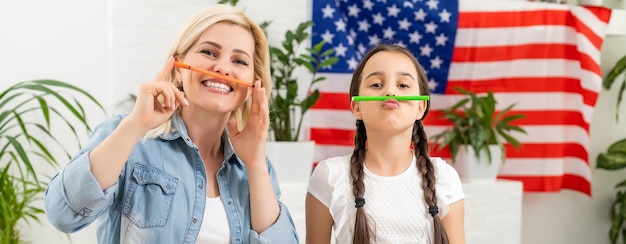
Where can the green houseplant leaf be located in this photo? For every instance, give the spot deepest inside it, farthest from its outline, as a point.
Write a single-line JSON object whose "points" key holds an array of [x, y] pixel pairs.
{"points": [[31, 113], [286, 109], [476, 123], [617, 69], [618, 213], [611, 161]]}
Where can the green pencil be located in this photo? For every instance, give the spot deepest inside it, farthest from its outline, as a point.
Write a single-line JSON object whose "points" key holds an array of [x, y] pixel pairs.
{"points": [[383, 98]]}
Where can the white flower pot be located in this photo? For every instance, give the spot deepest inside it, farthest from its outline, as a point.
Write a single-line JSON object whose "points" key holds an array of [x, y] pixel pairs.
{"points": [[293, 161], [471, 168]]}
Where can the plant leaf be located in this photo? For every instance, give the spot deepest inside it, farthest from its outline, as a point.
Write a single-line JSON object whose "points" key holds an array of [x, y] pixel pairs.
{"points": [[611, 161], [620, 96], [619, 67], [618, 147]]}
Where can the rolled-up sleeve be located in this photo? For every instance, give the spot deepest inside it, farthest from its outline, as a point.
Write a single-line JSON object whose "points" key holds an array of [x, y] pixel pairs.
{"points": [[282, 231], [74, 198]]}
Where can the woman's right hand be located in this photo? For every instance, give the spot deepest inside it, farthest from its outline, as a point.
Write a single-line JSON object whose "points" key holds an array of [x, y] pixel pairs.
{"points": [[156, 101]]}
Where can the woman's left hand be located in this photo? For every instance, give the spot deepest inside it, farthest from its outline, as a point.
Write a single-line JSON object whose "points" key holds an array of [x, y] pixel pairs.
{"points": [[249, 143]]}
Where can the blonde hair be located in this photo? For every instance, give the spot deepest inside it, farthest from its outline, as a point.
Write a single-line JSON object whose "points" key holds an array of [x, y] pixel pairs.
{"points": [[190, 35]]}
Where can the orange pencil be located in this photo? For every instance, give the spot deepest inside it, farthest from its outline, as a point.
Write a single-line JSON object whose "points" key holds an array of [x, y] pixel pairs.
{"points": [[214, 74]]}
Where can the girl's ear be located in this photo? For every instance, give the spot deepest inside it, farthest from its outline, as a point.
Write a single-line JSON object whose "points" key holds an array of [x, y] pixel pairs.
{"points": [[356, 110], [421, 108]]}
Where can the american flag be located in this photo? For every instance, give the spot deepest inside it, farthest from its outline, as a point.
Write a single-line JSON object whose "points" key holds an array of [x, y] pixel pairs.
{"points": [[543, 57]]}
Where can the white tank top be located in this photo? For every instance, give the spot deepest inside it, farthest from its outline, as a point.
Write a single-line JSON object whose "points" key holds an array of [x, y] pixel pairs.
{"points": [[214, 228]]}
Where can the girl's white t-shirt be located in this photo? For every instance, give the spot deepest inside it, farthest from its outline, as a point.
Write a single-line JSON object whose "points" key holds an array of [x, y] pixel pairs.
{"points": [[214, 228], [395, 205]]}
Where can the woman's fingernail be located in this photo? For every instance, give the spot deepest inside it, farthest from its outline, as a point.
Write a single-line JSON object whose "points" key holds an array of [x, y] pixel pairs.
{"points": [[186, 103]]}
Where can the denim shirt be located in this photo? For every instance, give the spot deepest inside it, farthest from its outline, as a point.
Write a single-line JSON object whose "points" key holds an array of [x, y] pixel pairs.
{"points": [[160, 194]]}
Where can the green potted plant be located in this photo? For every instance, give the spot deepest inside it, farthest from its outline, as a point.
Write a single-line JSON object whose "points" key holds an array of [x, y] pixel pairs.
{"points": [[479, 128], [292, 157], [287, 110], [614, 159], [31, 113]]}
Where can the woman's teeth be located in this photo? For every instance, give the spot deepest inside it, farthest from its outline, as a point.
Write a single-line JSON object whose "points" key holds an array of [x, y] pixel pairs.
{"points": [[217, 86]]}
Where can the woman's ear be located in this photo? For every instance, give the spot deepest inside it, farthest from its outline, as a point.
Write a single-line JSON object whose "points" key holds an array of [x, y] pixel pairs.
{"points": [[249, 92], [178, 77]]}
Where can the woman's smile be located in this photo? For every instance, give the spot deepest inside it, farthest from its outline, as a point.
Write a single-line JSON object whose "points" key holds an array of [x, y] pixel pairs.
{"points": [[218, 87]]}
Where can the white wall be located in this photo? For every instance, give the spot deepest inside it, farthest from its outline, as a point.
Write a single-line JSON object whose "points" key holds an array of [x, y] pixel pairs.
{"points": [[109, 47], [64, 40]]}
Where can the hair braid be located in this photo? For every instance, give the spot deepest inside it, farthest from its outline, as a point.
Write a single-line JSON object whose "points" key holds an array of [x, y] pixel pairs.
{"points": [[427, 171], [362, 232], [361, 227]]}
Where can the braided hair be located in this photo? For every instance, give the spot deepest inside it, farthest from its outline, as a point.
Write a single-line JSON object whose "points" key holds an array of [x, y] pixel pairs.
{"points": [[363, 233]]}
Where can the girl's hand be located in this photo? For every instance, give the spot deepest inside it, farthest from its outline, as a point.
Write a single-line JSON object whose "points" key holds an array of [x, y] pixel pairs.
{"points": [[249, 143], [156, 101]]}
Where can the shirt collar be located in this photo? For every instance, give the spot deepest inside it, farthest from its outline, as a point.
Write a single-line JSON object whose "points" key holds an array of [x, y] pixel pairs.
{"points": [[179, 130]]}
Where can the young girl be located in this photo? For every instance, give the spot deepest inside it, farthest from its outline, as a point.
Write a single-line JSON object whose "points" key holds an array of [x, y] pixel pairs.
{"points": [[389, 190], [188, 164]]}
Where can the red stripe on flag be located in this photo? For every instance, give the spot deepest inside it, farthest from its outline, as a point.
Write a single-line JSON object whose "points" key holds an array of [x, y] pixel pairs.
{"points": [[530, 18], [552, 183], [328, 100], [602, 13], [333, 136], [575, 182], [515, 84], [506, 19], [530, 51], [506, 53], [593, 38], [532, 117], [532, 150], [548, 150], [587, 63], [582, 28], [552, 117]]}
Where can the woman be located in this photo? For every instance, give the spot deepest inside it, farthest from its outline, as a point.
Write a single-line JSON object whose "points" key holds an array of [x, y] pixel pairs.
{"points": [[188, 164], [389, 190]]}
